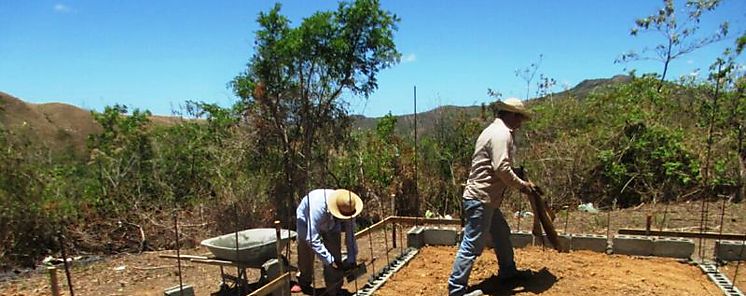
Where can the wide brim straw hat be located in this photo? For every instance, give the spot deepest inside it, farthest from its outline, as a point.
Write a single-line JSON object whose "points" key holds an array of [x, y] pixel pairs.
{"points": [[344, 204], [513, 105]]}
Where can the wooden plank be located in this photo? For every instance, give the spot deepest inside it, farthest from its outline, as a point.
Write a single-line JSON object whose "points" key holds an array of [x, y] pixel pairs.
{"points": [[418, 220], [215, 262], [279, 282], [373, 227], [708, 235], [182, 257]]}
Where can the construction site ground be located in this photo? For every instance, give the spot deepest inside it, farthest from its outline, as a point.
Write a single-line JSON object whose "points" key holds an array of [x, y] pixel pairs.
{"points": [[575, 273]]}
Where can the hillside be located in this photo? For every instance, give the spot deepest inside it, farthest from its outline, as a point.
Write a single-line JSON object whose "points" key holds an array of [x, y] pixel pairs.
{"points": [[64, 126], [426, 120], [57, 125]]}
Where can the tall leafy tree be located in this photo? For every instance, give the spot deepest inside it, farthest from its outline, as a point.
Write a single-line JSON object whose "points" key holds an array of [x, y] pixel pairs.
{"points": [[293, 86], [679, 34]]}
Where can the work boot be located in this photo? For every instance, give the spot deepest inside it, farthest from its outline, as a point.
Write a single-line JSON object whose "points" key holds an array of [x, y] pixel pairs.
{"points": [[516, 275], [476, 292]]}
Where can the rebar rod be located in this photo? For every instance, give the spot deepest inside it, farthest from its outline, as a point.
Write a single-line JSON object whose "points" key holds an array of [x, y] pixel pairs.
{"points": [[386, 244], [722, 217], [238, 267], [738, 264], [178, 252], [61, 238], [372, 256]]}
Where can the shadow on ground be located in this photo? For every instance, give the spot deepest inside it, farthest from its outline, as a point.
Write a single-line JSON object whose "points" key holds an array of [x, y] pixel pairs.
{"points": [[538, 282]]}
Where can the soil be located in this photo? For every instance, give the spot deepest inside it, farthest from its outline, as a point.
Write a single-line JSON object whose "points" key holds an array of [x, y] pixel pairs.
{"points": [[575, 273]]}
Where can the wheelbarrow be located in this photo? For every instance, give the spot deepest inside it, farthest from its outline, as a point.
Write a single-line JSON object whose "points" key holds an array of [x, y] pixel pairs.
{"points": [[251, 248]]}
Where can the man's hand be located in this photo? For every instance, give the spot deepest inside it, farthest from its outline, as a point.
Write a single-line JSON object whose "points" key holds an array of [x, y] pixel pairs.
{"points": [[530, 188], [342, 265]]}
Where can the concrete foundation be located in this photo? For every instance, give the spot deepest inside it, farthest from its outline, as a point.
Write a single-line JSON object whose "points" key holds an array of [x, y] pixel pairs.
{"points": [[632, 245], [673, 247], [730, 250], [440, 236], [420, 236], [185, 290], [521, 239], [589, 242], [416, 237], [565, 241]]}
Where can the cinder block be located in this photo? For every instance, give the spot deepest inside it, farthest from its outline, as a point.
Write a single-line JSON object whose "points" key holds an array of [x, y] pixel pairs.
{"points": [[521, 239], [730, 250], [271, 270], [673, 247], [186, 290], [416, 237], [590, 242], [635, 245], [440, 236], [564, 239]]}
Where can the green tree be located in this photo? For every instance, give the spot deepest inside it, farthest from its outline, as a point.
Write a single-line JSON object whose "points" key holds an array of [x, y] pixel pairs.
{"points": [[293, 85], [679, 33]]}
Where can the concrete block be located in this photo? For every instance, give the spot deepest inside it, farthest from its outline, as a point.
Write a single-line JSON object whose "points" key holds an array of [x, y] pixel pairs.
{"points": [[521, 239], [440, 236], [565, 241], [673, 247], [635, 245], [186, 290], [730, 250], [589, 242], [416, 237]]}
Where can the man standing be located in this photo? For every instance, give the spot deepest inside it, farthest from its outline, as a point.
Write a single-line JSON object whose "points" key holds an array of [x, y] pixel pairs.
{"points": [[322, 215], [490, 176]]}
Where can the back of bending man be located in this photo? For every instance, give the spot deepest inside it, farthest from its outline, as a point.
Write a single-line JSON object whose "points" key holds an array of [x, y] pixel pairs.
{"points": [[322, 216], [491, 174]]}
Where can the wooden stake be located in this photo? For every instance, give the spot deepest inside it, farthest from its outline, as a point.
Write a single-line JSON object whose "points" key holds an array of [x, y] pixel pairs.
{"points": [[53, 280]]}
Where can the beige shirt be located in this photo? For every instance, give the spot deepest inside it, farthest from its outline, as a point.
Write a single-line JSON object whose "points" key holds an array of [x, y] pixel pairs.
{"points": [[491, 165]]}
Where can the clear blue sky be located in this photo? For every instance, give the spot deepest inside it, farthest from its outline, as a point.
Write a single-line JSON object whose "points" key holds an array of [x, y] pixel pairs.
{"points": [[157, 54]]}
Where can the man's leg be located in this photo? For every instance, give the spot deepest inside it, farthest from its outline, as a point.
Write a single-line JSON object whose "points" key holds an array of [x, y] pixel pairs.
{"points": [[470, 248], [333, 278], [500, 232], [305, 264]]}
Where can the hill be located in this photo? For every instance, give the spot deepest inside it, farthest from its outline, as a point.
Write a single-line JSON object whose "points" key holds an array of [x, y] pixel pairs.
{"points": [[66, 127], [426, 120]]}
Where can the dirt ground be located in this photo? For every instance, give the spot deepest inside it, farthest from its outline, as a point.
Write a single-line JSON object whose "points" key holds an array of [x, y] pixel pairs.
{"points": [[578, 273], [575, 273]]}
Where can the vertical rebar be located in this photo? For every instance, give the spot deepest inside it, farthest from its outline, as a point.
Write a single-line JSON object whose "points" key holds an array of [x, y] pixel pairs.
{"points": [[238, 267], [416, 184], [372, 258], [61, 238], [722, 217], [280, 261], [740, 258], [178, 252], [401, 239], [386, 244], [665, 215], [567, 218]]}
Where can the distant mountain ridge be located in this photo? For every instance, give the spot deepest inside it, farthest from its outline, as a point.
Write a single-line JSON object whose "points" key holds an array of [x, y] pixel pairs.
{"points": [[64, 126]]}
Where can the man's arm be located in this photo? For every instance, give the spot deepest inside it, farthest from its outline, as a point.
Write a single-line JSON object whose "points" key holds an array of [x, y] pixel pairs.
{"points": [[314, 240], [502, 164]]}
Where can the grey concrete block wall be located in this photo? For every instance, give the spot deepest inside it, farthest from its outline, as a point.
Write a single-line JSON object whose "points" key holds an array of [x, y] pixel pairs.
{"points": [[675, 247], [436, 236], [589, 242], [521, 239], [565, 241], [730, 250], [416, 237], [635, 245]]}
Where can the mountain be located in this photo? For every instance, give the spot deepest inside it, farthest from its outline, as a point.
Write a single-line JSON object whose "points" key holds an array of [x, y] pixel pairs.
{"points": [[426, 120], [62, 126]]}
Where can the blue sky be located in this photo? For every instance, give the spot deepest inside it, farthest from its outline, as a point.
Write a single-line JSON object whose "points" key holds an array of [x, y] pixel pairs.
{"points": [[157, 54]]}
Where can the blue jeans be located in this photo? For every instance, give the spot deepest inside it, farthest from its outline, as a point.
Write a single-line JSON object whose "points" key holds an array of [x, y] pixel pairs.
{"points": [[481, 218]]}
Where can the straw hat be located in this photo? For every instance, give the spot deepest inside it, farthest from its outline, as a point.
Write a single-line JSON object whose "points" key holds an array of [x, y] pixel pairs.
{"points": [[344, 204], [513, 105]]}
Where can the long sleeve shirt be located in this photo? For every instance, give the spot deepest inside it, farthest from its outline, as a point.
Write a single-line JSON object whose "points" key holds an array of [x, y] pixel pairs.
{"points": [[491, 170], [314, 219]]}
